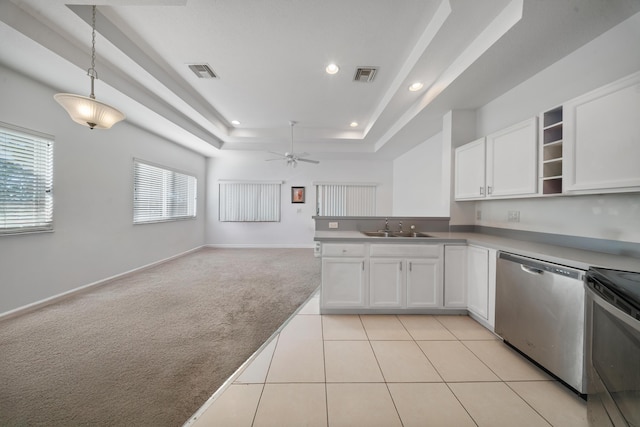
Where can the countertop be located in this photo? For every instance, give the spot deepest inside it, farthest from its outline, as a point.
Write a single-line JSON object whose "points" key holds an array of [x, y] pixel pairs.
{"points": [[569, 257]]}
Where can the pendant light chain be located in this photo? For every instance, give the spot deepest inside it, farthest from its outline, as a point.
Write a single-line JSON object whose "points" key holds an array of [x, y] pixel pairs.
{"points": [[92, 71]]}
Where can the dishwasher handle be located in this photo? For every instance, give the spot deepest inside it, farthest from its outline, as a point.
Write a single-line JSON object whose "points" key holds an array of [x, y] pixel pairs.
{"points": [[531, 270]]}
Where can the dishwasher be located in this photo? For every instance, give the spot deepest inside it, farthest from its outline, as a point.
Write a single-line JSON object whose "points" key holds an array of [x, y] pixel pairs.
{"points": [[540, 311]]}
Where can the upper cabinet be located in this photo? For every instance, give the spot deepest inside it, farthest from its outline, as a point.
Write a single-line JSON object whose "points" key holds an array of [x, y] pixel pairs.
{"points": [[512, 160], [470, 170], [602, 139], [504, 164]]}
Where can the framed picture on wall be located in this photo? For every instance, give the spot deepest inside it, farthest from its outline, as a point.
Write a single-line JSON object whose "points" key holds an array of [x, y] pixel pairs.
{"points": [[297, 194]]}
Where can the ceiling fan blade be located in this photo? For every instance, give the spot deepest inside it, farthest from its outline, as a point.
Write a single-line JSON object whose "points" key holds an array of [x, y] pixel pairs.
{"points": [[278, 154], [271, 160], [308, 160]]}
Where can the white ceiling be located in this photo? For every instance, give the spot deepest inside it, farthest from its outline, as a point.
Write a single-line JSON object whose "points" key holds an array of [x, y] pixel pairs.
{"points": [[270, 57]]}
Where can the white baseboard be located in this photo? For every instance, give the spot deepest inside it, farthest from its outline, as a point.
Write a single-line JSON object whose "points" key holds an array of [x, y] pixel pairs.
{"points": [[262, 246], [59, 297]]}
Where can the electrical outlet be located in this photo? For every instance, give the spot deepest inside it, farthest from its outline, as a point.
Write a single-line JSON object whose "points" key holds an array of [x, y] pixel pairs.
{"points": [[333, 224], [513, 216], [478, 214]]}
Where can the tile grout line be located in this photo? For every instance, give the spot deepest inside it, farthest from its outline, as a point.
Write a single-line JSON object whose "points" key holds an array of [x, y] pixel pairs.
{"points": [[264, 384], [324, 364], [528, 404]]}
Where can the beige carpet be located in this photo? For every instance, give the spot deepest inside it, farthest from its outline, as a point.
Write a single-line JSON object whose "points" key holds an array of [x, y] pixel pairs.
{"points": [[149, 349]]}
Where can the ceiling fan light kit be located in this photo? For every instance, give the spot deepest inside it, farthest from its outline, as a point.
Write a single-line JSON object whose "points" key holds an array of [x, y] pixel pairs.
{"points": [[86, 110], [292, 158]]}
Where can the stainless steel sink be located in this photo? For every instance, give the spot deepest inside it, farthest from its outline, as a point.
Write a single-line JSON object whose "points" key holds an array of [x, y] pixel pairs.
{"points": [[382, 233], [377, 233]]}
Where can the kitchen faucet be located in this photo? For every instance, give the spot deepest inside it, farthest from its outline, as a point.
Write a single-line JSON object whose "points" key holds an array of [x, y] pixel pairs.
{"points": [[400, 227], [386, 224]]}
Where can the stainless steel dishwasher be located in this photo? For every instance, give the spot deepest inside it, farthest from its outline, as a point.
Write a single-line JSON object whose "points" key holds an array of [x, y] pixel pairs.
{"points": [[540, 312]]}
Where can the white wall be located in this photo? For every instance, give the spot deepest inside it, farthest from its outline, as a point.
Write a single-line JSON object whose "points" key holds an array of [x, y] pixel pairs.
{"points": [[605, 59], [296, 228], [417, 181], [94, 237]]}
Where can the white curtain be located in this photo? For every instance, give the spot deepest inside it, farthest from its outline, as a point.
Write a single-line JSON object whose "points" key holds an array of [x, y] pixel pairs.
{"points": [[346, 199], [249, 202]]}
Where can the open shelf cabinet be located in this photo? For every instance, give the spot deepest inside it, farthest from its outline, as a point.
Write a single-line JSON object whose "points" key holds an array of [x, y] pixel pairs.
{"points": [[551, 151]]}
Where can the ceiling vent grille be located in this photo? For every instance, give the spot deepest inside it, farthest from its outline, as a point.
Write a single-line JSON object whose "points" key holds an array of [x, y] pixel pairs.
{"points": [[365, 74], [203, 71]]}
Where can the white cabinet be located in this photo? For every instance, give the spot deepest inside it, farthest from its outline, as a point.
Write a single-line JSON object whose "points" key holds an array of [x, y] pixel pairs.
{"points": [[481, 282], [455, 276], [386, 283], [344, 280], [424, 282], [512, 160], [405, 276], [470, 170], [478, 281], [602, 139], [504, 164]]}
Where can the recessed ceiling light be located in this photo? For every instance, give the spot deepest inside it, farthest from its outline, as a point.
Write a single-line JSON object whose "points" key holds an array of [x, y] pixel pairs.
{"points": [[415, 86], [353, 124], [332, 69], [235, 122]]}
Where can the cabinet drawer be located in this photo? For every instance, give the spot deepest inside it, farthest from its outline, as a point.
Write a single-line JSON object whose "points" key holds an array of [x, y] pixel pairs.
{"points": [[343, 249], [422, 251]]}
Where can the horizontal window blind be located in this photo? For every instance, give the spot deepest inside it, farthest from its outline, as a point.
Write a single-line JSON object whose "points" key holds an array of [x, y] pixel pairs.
{"points": [[162, 194], [346, 199], [249, 202], [26, 181]]}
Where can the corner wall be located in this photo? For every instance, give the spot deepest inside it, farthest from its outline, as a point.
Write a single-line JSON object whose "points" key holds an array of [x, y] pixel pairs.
{"points": [[94, 237]]}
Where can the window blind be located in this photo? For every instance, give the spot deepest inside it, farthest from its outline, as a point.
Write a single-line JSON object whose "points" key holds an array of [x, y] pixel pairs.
{"points": [[346, 199], [162, 194], [26, 180], [249, 202]]}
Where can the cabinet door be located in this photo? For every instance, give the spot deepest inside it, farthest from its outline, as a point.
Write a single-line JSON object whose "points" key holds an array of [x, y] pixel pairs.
{"points": [[602, 139], [343, 282], [478, 281], [470, 170], [424, 282], [386, 282], [455, 276], [512, 167]]}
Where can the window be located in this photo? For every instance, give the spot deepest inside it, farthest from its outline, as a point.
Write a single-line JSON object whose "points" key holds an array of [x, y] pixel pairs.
{"points": [[249, 201], [26, 180], [346, 199], [161, 194]]}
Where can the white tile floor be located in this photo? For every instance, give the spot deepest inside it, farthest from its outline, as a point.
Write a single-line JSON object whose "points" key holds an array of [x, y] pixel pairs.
{"points": [[386, 370]]}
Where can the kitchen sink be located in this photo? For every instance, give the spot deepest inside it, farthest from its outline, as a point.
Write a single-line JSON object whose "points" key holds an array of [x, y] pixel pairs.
{"points": [[382, 233]]}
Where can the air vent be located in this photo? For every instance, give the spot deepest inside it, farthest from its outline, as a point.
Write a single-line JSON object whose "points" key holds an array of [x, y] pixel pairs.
{"points": [[203, 71], [365, 74]]}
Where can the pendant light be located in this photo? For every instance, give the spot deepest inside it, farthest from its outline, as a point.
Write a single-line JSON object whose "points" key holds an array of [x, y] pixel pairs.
{"points": [[86, 110]]}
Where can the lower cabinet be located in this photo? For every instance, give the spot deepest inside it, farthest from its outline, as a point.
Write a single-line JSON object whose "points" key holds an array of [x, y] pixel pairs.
{"points": [[344, 279], [405, 276], [455, 276], [343, 282], [481, 282], [411, 283]]}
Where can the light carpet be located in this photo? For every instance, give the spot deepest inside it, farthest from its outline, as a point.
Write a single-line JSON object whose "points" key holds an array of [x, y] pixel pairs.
{"points": [[149, 349]]}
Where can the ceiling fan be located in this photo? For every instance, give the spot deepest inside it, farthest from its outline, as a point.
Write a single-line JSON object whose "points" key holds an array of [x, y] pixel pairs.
{"points": [[291, 157]]}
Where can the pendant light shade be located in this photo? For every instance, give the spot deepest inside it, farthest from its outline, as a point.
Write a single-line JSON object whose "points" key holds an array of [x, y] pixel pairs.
{"points": [[86, 110], [89, 112]]}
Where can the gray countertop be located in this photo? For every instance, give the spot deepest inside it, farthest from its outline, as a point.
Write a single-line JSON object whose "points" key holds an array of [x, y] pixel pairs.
{"points": [[570, 257]]}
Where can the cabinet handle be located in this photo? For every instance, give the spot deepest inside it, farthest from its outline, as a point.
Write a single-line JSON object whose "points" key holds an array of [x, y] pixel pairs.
{"points": [[410, 268], [400, 266], [482, 191], [362, 265], [489, 190]]}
